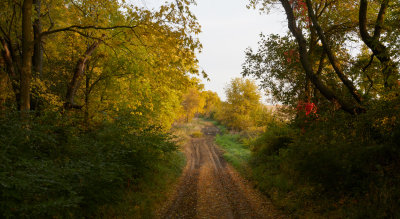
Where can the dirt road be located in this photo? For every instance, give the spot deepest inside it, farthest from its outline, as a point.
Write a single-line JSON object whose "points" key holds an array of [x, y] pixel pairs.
{"points": [[210, 188]]}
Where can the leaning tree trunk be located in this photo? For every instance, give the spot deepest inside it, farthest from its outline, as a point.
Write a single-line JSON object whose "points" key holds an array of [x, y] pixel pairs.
{"points": [[27, 53], [10, 69], [332, 58], [77, 77], [87, 96], [390, 70]]}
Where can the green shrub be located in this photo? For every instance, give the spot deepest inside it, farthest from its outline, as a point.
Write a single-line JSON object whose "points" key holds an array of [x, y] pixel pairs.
{"points": [[271, 141], [339, 165], [51, 168]]}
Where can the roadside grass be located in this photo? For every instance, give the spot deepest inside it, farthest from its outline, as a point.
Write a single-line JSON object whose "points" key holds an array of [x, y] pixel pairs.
{"points": [[235, 152], [238, 152]]}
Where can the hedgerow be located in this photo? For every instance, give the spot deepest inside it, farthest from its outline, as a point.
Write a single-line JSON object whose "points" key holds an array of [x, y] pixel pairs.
{"points": [[51, 168]]}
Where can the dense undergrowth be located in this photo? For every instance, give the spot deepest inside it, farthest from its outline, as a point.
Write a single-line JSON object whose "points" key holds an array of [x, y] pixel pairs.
{"points": [[53, 168], [335, 165], [333, 168]]}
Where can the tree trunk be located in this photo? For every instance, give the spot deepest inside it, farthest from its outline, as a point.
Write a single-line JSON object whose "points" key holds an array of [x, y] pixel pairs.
{"points": [[4, 79], [37, 59], [376, 46], [76, 79], [38, 47], [27, 53], [87, 93], [306, 63], [311, 52], [332, 58], [10, 69]]}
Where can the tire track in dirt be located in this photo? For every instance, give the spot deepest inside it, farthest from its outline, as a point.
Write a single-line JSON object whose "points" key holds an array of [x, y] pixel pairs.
{"points": [[210, 188], [185, 201]]}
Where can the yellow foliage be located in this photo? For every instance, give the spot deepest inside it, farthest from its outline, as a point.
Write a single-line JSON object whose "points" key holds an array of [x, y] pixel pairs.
{"points": [[243, 99], [193, 103]]}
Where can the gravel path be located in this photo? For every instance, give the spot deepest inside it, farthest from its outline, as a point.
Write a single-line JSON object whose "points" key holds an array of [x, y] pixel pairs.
{"points": [[211, 188]]}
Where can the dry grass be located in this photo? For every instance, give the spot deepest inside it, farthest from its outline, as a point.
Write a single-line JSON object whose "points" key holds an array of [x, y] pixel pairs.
{"points": [[186, 131]]}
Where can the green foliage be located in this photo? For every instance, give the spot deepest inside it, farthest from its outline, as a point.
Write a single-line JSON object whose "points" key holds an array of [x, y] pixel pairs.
{"points": [[148, 193], [277, 63], [280, 78], [270, 142], [339, 165], [50, 168], [143, 61], [330, 164], [101, 155]]}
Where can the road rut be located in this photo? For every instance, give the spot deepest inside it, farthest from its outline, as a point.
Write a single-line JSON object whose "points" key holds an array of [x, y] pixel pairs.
{"points": [[211, 188]]}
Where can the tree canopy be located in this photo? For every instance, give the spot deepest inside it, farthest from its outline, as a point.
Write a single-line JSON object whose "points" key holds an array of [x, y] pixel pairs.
{"points": [[98, 57], [313, 62]]}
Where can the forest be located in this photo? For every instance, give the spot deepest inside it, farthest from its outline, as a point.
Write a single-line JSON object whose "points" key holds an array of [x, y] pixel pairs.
{"points": [[101, 104]]}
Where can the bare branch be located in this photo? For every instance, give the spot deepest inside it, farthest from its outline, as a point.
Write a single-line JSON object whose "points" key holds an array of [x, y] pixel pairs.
{"points": [[74, 27], [369, 63]]}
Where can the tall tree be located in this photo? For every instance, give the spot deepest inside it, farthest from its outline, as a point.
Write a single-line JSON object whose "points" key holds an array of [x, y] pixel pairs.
{"points": [[27, 53], [243, 98], [193, 102], [333, 26], [37, 31], [154, 32]]}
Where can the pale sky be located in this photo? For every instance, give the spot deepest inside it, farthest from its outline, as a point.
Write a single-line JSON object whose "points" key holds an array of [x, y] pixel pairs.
{"points": [[228, 28]]}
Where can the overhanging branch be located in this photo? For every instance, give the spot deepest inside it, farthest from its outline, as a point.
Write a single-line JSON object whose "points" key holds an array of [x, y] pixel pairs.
{"points": [[75, 27]]}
